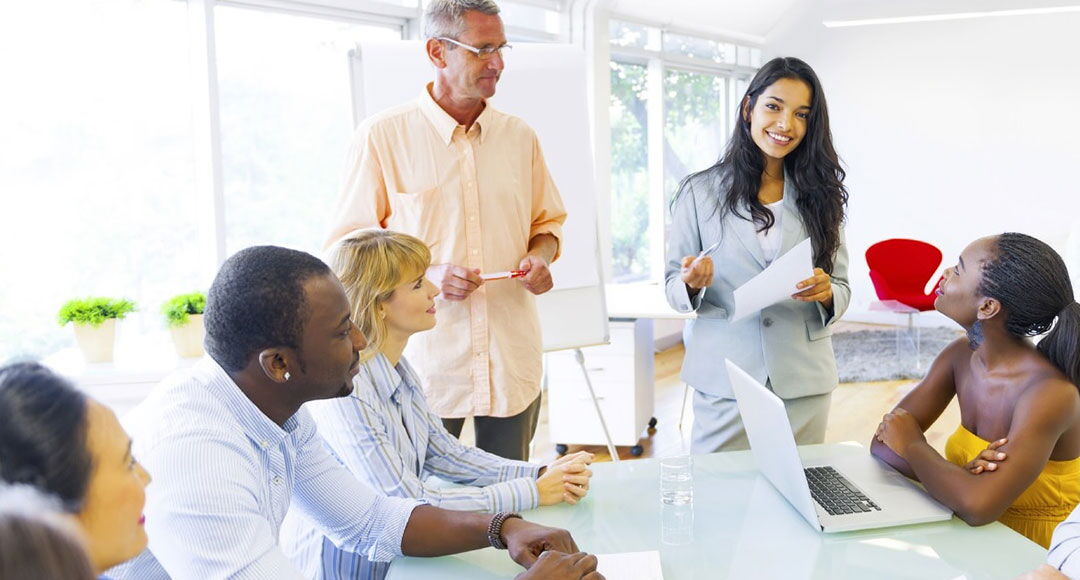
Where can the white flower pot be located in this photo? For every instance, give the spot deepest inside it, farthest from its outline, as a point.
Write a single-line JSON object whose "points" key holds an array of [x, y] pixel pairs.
{"points": [[96, 342], [188, 339]]}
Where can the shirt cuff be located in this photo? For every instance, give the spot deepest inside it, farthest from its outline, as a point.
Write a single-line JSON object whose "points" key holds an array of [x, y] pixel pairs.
{"points": [[827, 317], [390, 515], [515, 495], [549, 228], [683, 301], [516, 469]]}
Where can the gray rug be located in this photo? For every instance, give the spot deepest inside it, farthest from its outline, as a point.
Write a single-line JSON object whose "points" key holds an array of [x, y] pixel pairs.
{"points": [[872, 355]]}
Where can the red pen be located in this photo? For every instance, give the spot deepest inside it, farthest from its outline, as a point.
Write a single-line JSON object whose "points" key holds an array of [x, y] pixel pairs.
{"points": [[503, 275]]}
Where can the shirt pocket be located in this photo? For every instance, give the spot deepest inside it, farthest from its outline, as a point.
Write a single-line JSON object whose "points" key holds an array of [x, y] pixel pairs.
{"points": [[419, 213], [816, 331]]}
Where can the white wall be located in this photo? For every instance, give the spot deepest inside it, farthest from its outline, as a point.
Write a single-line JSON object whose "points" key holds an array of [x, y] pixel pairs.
{"points": [[949, 130]]}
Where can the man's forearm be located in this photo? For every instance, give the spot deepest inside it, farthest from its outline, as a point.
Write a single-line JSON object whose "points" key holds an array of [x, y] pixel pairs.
{"points": [[545, 246], [437, 532]]}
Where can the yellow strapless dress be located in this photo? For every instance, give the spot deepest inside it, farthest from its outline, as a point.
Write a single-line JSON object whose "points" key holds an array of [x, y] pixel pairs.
{"points": [[1043, 505]]}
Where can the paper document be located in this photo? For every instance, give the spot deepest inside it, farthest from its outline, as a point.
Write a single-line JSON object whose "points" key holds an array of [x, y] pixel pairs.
{"points": [[775, 283], [630, 566]]}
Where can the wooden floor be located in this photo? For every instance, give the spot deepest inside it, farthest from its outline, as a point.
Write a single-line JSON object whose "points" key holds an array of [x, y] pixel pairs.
{"points": [[856, 411]]}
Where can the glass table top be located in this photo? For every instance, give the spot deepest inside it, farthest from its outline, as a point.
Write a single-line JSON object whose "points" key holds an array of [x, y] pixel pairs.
{"points": [[739, 526]]}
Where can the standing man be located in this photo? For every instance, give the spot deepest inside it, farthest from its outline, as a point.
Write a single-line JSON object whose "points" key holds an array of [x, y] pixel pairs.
{"points": [[470, 182]]}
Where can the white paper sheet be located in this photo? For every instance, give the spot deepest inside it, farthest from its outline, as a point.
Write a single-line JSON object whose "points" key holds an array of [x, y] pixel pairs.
{"points": [[630, 566], [775, 283]]}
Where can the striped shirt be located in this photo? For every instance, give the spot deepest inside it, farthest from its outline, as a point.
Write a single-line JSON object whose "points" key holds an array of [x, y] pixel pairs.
{"points": [[224, 476], [1064, 551], [385, 434]]}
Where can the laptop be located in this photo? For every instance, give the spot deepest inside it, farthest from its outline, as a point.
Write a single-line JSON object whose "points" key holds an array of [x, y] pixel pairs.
{"points": [[845, 492]]}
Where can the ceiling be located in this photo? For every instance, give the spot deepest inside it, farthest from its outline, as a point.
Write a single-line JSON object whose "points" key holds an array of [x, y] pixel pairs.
{"points": [[753, 20], [748, 19]]}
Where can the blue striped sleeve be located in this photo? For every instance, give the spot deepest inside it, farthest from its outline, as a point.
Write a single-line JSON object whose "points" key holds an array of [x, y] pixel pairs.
{"points": [[351, 514]]}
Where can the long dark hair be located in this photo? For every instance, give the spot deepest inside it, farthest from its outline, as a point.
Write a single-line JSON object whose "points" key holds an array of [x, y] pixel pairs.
{"points": [[43, 433], [813, 166], [1032, 283]]}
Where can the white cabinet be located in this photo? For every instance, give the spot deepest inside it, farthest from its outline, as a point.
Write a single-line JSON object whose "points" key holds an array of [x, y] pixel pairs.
{"points": [[622, 378]]}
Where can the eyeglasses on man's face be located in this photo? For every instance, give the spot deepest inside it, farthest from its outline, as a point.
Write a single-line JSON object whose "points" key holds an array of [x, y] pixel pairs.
{"points": [[481, 53]]}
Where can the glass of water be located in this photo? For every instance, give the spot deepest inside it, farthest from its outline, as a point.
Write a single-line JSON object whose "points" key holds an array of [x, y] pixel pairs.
{"points": [[677, 524], [677, 480]]}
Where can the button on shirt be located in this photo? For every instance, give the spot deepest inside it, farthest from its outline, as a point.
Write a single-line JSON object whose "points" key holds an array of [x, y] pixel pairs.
{"points": [[475, 198], [385, 434], [224, 476]]}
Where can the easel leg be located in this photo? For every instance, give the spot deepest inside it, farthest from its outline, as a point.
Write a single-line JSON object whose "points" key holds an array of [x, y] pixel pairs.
{"points": [[596, 404]]}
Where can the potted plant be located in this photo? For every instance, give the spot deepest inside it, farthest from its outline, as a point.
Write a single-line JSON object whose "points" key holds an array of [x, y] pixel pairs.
{"points": [[183, 313], [94, 320]]}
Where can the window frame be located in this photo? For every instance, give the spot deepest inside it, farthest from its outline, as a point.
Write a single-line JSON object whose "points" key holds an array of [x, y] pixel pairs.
{"points": [[658, 62]]}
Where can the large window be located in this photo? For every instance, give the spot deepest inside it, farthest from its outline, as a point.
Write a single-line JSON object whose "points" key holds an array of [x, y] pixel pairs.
{"points": [[286, 121], [96, 163], [630, 243], [672, 103], [105, 125], [98, 155]]}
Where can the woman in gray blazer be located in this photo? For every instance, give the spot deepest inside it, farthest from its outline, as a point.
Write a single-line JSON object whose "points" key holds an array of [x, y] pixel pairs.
{"points": [[778, 183]]}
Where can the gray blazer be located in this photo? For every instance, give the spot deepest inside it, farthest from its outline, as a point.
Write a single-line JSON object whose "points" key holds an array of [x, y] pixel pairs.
{"points": [[789, 342]]}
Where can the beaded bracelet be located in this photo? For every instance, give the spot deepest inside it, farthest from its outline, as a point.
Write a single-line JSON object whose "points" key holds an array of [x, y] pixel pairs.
{"points": [[494, 531]]}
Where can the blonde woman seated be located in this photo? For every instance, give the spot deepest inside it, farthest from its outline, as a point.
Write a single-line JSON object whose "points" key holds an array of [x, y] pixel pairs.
{"points": [[385, 434]]}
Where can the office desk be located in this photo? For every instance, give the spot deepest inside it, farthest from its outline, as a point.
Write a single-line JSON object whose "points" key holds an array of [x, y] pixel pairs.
{"points": [[740, 528]]}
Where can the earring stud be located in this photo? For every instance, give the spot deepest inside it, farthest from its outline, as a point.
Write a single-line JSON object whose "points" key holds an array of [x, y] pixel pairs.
{"points": [[287, 375]]}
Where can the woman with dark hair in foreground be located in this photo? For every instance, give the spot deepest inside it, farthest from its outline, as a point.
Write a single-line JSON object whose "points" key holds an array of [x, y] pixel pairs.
{"points": [[69, 446], [1003, 290]]}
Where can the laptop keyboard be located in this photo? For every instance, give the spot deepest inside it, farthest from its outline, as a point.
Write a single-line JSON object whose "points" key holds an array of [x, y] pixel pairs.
{"points": [[835, 493]]}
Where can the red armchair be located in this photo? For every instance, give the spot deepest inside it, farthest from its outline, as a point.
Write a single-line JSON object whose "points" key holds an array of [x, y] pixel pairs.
{"points": [[900, 269]]}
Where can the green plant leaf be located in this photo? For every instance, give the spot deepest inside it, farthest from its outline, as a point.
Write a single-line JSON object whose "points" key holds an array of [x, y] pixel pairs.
{"points": [[179, 308], [94, 311]]}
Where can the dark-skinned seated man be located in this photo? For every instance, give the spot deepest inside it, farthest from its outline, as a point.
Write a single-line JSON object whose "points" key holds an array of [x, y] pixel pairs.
{"points": [[230, 448]]}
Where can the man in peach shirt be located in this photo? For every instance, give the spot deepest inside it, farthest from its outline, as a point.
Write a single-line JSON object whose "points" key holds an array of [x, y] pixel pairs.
{"points": [[472, 183]]}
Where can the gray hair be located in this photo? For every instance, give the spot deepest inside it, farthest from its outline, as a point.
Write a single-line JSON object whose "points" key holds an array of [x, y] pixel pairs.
{"points": [[446, 18]]}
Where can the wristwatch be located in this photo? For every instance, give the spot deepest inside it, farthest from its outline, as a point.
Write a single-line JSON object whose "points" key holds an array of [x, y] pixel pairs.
{"points": [[494, 531]]}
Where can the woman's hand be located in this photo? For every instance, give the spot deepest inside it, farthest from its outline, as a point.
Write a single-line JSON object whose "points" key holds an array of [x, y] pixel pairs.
{"points": [[987, 459], [818, 288], [898, 430], [565, 479], [697, 273]]}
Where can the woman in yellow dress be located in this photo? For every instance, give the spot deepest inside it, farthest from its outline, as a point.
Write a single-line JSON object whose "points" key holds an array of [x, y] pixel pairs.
{"points": [[1004, 290]]}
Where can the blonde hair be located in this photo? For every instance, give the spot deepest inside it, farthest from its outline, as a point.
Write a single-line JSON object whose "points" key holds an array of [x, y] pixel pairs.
{"points": [[370, 264]]}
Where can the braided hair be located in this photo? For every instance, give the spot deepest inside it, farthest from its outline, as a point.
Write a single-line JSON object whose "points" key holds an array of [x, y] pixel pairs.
{"points": [[1032, 283]]}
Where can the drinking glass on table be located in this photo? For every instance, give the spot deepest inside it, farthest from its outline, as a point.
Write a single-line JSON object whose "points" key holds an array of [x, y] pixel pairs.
{"points": [[677, 480], [677, 524]]}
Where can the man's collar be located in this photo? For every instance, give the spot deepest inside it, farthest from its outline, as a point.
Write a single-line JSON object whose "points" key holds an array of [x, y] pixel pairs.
{"points": [[443, 123], [258, 426]]}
